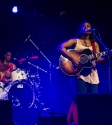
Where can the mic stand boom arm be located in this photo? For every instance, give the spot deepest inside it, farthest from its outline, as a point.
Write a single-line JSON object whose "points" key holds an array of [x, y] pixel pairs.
{"points": [[109, 65]]}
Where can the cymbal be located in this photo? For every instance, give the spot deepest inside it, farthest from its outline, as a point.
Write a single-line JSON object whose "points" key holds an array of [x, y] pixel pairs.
{"points": [[31, 58], [34, 57], [3, 67], [22, 60]]}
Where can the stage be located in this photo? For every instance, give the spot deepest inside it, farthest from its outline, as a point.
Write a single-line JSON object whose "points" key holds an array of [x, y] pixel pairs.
{"points": [[94, 109]]}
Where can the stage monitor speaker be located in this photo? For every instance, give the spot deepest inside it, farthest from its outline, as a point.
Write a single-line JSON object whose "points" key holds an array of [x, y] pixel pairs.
{"points": [[6, 112], [50, 118], [94, 109]]}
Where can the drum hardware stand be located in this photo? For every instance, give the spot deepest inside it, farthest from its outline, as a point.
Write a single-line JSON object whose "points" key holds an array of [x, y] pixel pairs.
{"points": [[15, 99], [108, 52], [3, 91], [50, 65], [34, 83]]}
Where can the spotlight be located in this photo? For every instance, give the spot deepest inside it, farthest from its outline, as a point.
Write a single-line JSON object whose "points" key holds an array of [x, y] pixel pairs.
{"points": [[15, 9]]}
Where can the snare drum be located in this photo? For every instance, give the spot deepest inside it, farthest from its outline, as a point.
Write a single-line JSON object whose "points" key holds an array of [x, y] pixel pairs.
{"points": [[18, 75], [21, 95]]}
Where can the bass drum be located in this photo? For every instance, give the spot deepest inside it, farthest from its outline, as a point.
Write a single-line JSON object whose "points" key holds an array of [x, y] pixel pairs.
{"points": [[21, 95]]}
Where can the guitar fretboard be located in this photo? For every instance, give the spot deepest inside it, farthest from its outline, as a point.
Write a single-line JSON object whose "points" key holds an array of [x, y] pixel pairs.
{"points": [[94, 56]]}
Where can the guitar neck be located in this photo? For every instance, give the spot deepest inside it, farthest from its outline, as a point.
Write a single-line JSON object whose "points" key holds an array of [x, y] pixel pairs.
{"points": [[94, 56]]}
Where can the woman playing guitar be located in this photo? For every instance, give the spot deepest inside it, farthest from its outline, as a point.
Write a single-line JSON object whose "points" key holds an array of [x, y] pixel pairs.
{"points": [[88, 83], [84, 40]]}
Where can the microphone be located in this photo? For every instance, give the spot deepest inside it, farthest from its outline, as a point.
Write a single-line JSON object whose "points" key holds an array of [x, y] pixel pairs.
{"points": [[27, 38], [89, 30]]}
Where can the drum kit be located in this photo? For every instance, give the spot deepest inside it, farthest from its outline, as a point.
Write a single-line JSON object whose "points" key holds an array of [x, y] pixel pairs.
{"points": [[24, 89]]}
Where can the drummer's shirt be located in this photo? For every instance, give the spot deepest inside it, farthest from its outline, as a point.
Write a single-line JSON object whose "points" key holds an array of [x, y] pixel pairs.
{"points": [[2, 74]]}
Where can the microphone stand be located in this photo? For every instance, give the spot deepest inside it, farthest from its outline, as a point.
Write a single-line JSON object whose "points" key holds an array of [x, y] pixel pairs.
{"points": [[50, 65], [109, 64]]}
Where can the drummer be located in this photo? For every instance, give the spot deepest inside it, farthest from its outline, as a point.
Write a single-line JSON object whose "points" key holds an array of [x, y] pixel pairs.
{"points": [[5, 76]]}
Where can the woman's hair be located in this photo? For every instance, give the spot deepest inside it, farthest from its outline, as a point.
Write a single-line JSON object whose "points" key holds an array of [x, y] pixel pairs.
{"points": [[79, 35]]}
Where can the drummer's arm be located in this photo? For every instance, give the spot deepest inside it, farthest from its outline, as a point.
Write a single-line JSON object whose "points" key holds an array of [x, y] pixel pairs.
{"points": [[14, 67], [7, 74], [1, 75]]}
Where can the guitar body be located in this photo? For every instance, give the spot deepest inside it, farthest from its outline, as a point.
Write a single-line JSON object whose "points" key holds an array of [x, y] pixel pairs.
{"points": [[84, 67]]}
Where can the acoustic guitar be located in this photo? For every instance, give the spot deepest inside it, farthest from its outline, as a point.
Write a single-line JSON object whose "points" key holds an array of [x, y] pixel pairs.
{"points": [[85, 65]]}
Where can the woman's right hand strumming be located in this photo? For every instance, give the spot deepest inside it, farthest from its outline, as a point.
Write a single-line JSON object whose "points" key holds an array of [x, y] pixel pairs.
{"points": [[74, 61]]}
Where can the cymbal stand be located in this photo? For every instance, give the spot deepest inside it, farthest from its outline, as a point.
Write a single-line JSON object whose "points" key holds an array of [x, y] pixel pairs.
{"points": [[50, 66]]}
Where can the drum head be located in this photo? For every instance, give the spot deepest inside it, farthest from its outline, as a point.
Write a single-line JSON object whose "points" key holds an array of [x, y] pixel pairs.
{"points": [[21, 95], [18, 75]]}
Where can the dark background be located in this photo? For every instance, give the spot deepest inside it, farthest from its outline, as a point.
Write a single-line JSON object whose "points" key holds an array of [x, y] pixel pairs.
{"points": [[51, 22]]}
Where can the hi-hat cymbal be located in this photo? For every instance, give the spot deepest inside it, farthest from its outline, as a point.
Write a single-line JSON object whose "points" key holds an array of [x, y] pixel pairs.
{"points": [[3, 67]]}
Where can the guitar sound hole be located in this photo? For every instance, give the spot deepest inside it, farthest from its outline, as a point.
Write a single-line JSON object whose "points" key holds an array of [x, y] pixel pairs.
{"points": [[84, 59]]}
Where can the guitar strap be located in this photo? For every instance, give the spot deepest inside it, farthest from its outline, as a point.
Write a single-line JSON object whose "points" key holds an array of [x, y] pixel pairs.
{"points": [[94, 49], [93, 46]]}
